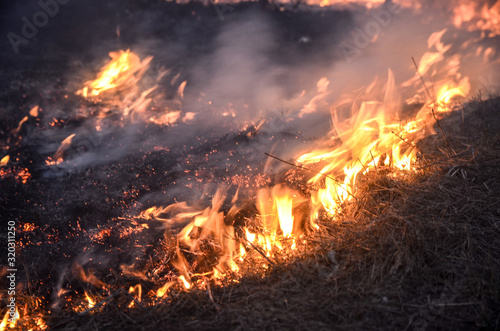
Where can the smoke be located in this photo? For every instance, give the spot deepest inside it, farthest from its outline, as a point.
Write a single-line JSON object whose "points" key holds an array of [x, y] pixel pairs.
{"points": [[257, 81]]}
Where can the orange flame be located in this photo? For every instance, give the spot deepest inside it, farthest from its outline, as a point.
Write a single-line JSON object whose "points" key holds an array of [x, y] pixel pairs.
{"points": [[163, 290], [57, 157], [34, 111], [137, 290], [123, 71], [369, 138], [5, 319], [4, 161], [91, 301], [187, 285], [10, 321], [16, 130]]}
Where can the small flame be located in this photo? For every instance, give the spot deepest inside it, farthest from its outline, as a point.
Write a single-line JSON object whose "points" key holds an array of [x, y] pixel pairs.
{"points": [[57, 158], [16, 130], [167, 118], [90, 300], [123, 71], [137, 290], [5, 319], [163, 290], [180, 90], [34, 111], [448, 92], [250, 236], [184, 282], [87, 277], [9, 320], [4, 161]]}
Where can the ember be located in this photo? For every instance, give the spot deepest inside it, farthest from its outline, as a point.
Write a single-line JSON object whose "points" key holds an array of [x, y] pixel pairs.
{"points": [[273, 149]]}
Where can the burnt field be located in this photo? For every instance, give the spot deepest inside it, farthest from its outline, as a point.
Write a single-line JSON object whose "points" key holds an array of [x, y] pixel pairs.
{"points": [[229, 166]]}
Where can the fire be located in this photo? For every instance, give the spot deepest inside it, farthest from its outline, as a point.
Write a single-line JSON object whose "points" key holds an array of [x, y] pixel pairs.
{"points": [[40, 323], [9, 321], [22, 175], [4, 161], [478, 16], [123, 71], [168, 118], [34, 111], [184, 282], [91, 301], [160, 293], [86, 276], [137, 291], [370, 138], [3, 325], [284, 204], [180, 90], [448, 92], [57, 158]]}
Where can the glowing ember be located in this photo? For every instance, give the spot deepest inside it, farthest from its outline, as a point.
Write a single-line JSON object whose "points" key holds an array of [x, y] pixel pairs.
{"points": [[137, 292], [16, 130], [34, 111], [3, 325], [180, 90], [21, 175], [447, 93]]}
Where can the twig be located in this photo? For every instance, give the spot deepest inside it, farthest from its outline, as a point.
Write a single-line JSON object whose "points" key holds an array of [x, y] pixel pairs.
{"points": [[432, 108], [441, 161], [421, 78], [258, 250], [211, 297], [362, 164], [316, 172], [136, 302], [441, 129]]}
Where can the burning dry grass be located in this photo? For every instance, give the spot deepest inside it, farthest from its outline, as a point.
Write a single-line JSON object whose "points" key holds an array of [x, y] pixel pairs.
{"points": [[415, 250]]}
